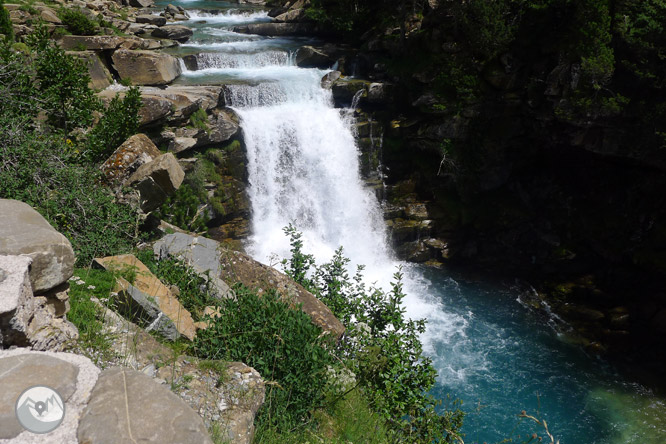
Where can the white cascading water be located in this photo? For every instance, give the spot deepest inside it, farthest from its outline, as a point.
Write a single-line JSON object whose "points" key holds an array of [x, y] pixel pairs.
{"points": [[303, 169]]}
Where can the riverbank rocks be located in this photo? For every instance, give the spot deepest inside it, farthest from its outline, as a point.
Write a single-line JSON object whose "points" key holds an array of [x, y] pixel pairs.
{"points": [[146, 67], [91, 42], [100, 77], [310, 57], [278, 29], [235, 267], [23, 231], [141, 3], [345, 89], [151, 19], [128, 157], [142, 411], [157, 180], [72, 376], [147, 301], [178, 33]]}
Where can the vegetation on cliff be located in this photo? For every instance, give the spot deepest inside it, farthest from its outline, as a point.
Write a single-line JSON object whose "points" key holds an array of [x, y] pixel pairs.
{"points": [[55, 130]]}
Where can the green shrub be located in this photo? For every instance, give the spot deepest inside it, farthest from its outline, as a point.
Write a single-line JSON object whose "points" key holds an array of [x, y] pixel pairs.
{"points": [[281, 343], [381, 346], [120, 121], [77, 22], [199, 119], [5, 23]]}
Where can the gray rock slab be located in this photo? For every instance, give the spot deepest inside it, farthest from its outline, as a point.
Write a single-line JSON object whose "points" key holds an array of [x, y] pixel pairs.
{"points": [[141, 411], [178, 33], [23, 231], [200, 253], [156, 180], [72, 376]]}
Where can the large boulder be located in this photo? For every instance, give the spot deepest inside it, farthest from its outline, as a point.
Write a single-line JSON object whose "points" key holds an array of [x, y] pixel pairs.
{"points": [[147, 300], [128, 157], [309, 57], [346, 89], [235, 267], [91, 42], [100, 77], [178, 33], [151, 19], [293, 15], [72, 376], [141, 3], [278, 29], [142, 411], [146, 67], [157, 180], [16, 301], [23, 231]]}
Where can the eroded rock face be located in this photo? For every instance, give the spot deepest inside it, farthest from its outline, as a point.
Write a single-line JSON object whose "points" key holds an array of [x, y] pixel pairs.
{"points": [[149, 302], [128, 157], [157, 180], [151, 19], [146, 67], [16, 300], [142, 411], [277, 29], [234, 267], [91, 42], [309, 57], [23, 231]]}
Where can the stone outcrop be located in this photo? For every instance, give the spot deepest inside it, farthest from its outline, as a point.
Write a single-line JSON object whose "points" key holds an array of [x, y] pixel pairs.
{"points": [[178, 33], [226, 394], [128, 157], [100, 77], [146, 67], [235, 267], [143, 411], [309, 57], [278, 29], [23, 231], [221, 127], [141, 3], [151, 19], [72, 376], [147, 301], [157, 180], [91, 42]]}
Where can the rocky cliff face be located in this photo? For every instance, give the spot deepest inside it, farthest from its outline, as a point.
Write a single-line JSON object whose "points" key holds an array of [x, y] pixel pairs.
{"points": [[506, 157]]}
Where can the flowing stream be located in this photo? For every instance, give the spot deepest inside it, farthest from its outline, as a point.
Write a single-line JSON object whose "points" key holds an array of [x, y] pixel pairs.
{"points": [[490, 351]]}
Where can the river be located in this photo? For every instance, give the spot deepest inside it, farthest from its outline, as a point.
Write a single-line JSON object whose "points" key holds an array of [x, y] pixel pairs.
{"points": [[491, 352]]}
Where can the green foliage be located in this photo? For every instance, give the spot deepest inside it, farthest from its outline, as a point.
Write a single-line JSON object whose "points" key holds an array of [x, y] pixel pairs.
{"points": [[77, 22], [62, 82], [281, 343], [119, 122], [199, 119], [381, 346], [182, 209], [193, 288], [5, 23], [85, 314]]}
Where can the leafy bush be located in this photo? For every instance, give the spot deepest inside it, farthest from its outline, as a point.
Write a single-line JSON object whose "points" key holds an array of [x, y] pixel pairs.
{"points": [[5, 23], [199, 119], [381, 346], [120, 121], [281, 343], [77, 22]]}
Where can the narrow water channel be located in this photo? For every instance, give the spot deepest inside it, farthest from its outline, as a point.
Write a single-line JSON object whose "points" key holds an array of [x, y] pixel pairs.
{"points": [[489, 349]]}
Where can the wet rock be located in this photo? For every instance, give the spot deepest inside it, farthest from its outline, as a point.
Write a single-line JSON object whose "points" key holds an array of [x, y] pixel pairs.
{"points": [[191, 62], [157, 180], [293, 15], [309, 57], [328, 80], [100, 77], [128, 157], [146, 67], [178, 33], [144, 411], [149, 302], [345, 89], [23, 231], [151, 19], [277, 29]]}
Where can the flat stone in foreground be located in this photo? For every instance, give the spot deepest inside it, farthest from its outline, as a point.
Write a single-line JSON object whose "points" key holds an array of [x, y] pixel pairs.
{"points": [[127, 406]]}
